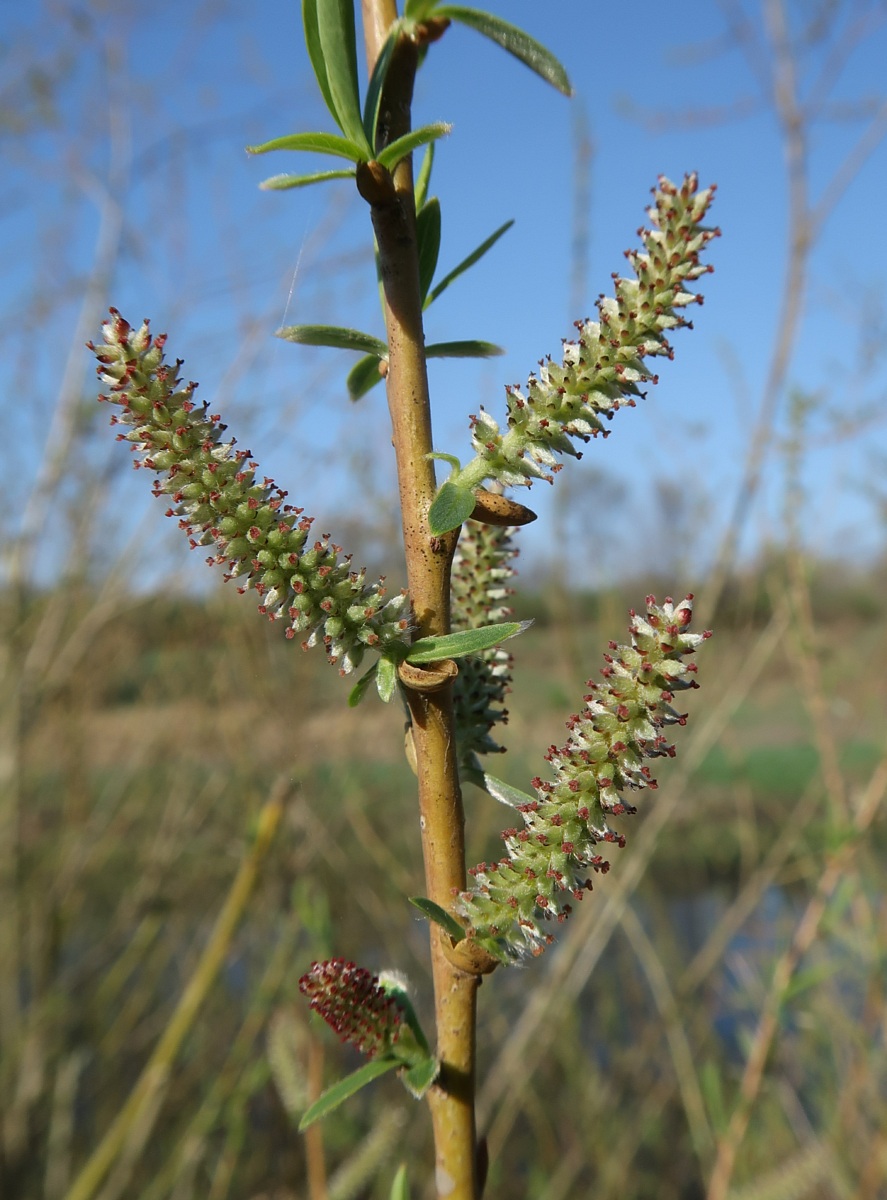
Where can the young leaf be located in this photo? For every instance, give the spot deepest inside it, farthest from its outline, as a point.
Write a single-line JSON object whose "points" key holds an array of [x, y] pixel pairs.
{"points": [[418, 1079], [335, 22], [450, 507], [402, 146], [463, 266], [279, 183], [400, 1189], [363, 376], [315, 143], [423, 179], [428, 232], [346, 1087], [466, 349], [358, 692], [386, 678], [315, 53], [440, 916], [466, 641], [376, 84], [505, 793], [530, 52], [335, 336], [418, 10]]}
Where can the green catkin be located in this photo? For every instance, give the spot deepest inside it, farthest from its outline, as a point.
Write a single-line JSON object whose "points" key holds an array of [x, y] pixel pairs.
{"points": [[602, 370], [266, 544], [480, 581], [549, 860]]}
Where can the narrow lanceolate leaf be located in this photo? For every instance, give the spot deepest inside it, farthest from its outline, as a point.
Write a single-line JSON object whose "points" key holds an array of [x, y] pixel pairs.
{"points": [[400, 1188], [505, 793], [386, 678], [440, 916], [417, 10], [335, 21], [469, 348], [315, 53], [402, 146], [364, 376], [466, 641], [314, 143], [376, 84], [463, 266], [428, 232], [358, 692], [335, 336], [530, 52], [450, 508], [340, 1092], [280, 183], [423, 179]]}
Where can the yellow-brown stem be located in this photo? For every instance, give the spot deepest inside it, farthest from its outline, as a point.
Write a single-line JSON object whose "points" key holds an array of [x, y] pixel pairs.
{"points": [[428, 572]]}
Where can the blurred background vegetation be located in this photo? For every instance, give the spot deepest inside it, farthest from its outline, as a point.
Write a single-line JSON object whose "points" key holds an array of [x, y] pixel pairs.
{"points": [[712, 1021]]}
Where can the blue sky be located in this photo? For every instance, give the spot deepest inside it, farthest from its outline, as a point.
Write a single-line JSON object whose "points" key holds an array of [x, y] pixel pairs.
{"points": [[220, 265]]}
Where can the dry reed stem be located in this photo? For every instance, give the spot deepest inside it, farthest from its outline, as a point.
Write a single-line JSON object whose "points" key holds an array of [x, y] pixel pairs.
{"points": [[136, 1116], [835, 868]]}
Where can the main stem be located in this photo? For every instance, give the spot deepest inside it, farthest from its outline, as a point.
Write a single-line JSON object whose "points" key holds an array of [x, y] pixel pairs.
{"points": [[428, 563]]}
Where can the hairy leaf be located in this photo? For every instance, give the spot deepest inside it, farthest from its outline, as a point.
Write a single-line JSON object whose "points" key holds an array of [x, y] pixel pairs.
{"points": [[451, 506], [402, 146], [358, 692], [423, 179], [363, 376], [333, 335], [471, 259], [466, 641], [317, 143], [428, 231], [376, 84], [464, 349], [440, 916], [279, 183], [530, 52], [339, 1092], [335, 21]]}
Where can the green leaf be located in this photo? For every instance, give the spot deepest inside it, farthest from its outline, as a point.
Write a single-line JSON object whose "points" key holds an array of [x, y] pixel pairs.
{"points": [[440, 916], [418, 1079], [315, 53], [505, 793], [417, 10], [335, 336], [530, 52], [450, 507], [713, 1093], [466, 641], [428, 232], [386, 678], [472, 258], [358, 692], [346, 1087], [400, 1188], [377, 83], [314, 143], [423, 179], [363, 376], [335, 22], [811, 977], [279, 183], [466, 349], [402, 146]]}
